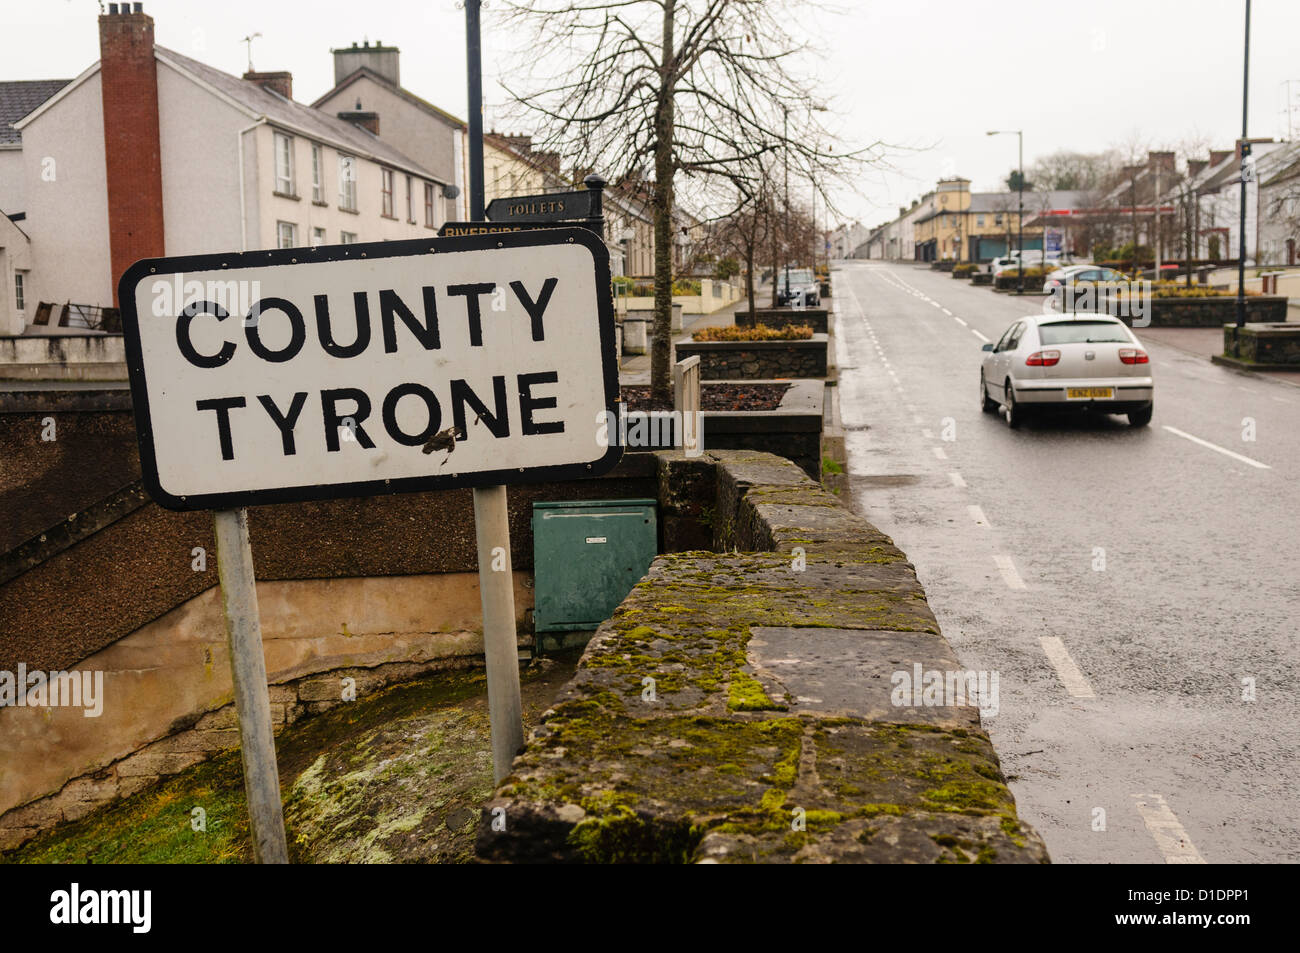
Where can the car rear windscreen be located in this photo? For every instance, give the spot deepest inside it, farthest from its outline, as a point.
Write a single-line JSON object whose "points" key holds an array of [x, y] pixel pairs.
{"points": [[1083, 332]]}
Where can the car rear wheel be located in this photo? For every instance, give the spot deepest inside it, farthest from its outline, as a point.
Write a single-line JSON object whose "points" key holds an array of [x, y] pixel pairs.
{"points": [[1140, 418], [1014, 414], [986, 403]]}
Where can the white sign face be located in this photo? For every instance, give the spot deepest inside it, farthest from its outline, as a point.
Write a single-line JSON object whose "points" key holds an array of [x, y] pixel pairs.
{"points": [[352, 370]]}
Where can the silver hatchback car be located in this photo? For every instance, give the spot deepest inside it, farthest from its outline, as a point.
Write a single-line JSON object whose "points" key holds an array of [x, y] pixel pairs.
{"points": [[1067, 362]]}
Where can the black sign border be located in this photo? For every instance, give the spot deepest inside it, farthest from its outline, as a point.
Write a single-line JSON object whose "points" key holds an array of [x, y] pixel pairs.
{"points": [[156, 268]]}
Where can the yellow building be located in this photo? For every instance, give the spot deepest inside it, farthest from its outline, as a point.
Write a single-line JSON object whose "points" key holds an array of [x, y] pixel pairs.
{"points": [[960, 225]]}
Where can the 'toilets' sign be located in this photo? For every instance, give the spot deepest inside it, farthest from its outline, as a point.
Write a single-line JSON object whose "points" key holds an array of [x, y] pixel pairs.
{"points": [[351, 370]]}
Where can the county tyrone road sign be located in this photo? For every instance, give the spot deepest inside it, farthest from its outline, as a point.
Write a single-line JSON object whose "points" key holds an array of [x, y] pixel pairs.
{"points": [[351, 370]]}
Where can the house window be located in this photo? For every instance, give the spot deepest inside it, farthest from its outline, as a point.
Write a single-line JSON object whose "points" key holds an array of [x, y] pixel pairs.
{"points": [[428, 205], [318, 236], [347, 238], [317, 178], [979, 221], [386, 193], [997, 220], [286, 234], [20, 299], [283, 164], [410, 203], [348, 183]]}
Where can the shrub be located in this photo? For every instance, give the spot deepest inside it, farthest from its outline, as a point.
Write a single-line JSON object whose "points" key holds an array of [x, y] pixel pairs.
{"points": [[686, 286], [760, 332], [965, 269]]}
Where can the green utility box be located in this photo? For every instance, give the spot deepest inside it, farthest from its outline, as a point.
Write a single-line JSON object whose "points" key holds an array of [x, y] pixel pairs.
{"points": [[587, 556]]}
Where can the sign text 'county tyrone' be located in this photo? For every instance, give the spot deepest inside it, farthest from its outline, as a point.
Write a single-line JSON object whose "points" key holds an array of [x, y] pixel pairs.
{"points": [[373, 369]]}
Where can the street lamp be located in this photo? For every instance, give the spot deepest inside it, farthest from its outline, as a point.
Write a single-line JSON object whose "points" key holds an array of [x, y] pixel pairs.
{"points": [[1246, 170], [1020, 214]]}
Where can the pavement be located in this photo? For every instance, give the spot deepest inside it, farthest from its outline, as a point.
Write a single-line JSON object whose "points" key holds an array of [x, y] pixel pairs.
{"points": [[1135, 589]]}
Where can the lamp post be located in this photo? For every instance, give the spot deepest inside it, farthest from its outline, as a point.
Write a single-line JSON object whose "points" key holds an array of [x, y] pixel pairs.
{"points": [[1246, 171], [1020, 213], [785, 153]]}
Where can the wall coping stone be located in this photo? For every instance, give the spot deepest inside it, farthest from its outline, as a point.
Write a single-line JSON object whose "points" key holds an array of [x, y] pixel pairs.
{"points": [[714, 764]]}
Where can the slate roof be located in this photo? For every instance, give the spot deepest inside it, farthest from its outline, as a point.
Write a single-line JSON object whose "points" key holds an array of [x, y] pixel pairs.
{"points": [[313, 122], [18, 98]]}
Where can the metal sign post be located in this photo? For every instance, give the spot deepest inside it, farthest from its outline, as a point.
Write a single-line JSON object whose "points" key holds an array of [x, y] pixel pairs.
{"points": [[248, 672]]}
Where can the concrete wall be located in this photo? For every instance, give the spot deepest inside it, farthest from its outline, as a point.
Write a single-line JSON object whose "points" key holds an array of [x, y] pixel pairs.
{"points": [[176, 669], [91, 357]]}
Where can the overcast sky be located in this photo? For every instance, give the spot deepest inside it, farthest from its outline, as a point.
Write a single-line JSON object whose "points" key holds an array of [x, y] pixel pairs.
{"points": [[927, 76]]}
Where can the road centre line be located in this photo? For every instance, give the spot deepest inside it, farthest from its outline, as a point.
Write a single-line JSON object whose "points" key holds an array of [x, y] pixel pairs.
{"points": [[1170, 836], [980, 336], [960, 321], [957, 480], [1215, 447], [1066, 670], [1008, 570], [977, 514], [938, 452]]}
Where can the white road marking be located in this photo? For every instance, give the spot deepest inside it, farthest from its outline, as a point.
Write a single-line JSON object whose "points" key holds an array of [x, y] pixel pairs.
{"points": [[977, 515], [1170, 837], [938, 452], [917, 418], [1216, 447], [980, 336], [947, 312], [927, 434], [1280, 400], [1066, 670], [1008, 570], [960, 321], [957, 481]]}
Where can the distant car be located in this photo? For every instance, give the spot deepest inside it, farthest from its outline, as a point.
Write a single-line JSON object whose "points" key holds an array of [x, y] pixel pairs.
{"points": [[1067, 362], [804, 291], [1069, 276]]}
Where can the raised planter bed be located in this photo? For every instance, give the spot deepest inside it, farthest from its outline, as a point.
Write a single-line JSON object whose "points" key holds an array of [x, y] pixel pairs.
{"points": [[1008, 282], [1265, 347], [1211, 312], [816, 318], [781, 417], [757, 360], [981, 278]]}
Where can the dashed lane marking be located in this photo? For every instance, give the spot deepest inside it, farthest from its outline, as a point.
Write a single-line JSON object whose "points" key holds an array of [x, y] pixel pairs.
{"points": [[980, 336], [938, 452], [957, 480], [1215, 447], [1008, 570], [1066, 670], [1170, 837], [977, 514]]}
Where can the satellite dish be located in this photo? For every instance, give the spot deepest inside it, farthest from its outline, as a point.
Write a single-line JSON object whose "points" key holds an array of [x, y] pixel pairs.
{"points": [[451, 191]]}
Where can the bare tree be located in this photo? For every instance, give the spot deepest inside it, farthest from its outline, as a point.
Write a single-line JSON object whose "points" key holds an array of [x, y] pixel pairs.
{"points": [[657, 89]]}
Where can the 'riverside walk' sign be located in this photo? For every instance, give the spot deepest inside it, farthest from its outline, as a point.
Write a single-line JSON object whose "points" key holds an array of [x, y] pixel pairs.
{"points": [[350, 370]]}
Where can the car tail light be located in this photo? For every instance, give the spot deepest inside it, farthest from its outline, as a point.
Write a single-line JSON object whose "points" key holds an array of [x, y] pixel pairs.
{"points": [[1132, 355], [1043, 358]]}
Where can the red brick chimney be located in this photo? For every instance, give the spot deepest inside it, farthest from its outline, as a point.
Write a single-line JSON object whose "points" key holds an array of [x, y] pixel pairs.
{"points": [[133, 161], [1218, 155], [278, 82], [1195, 167]]}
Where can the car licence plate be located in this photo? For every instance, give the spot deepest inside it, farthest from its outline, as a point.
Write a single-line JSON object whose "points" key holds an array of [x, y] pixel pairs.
{"points": [[1089, 393]]}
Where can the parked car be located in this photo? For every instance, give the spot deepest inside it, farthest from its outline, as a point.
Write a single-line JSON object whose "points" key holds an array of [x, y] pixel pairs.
{"points": [[1067, 362], [804, 290]]}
